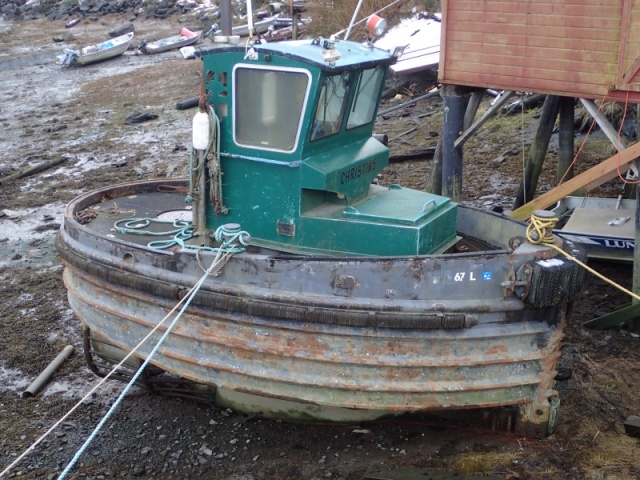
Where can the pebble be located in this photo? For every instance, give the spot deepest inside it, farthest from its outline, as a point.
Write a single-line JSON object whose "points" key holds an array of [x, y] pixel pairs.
{"points": [[206, 451]]}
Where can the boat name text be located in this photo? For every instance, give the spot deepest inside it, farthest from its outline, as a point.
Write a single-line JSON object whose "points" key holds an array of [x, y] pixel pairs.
{"points": [[354, 173]]}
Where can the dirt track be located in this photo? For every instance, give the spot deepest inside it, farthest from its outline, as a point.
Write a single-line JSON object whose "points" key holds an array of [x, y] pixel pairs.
{"points": [[79, 115]]}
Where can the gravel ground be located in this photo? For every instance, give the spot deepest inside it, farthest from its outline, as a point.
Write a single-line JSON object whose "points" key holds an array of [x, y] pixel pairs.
{"points": [[78, 115]]}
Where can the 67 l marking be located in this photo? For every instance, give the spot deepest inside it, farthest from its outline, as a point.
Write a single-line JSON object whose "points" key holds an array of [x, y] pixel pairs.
{"points": [[461, 276]]}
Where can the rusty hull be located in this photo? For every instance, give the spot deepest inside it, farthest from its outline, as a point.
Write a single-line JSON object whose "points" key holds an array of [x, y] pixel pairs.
{"points": [[371, 336]]}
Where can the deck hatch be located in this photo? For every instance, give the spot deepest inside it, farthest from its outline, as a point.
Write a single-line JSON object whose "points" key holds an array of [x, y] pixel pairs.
{"points": [[398, 205]]}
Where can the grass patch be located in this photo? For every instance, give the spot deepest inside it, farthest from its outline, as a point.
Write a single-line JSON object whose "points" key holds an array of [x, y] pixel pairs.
{"points": [[470, 463]]}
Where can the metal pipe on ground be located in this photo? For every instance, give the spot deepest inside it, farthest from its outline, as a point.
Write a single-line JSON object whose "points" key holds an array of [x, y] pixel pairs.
{"points": [[47, 373]]}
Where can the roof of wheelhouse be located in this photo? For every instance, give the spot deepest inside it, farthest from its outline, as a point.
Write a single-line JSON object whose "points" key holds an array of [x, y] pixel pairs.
{"points": [[352, 54]]}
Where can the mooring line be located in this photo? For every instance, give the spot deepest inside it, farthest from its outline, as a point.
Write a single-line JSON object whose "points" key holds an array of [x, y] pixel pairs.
{"points": [[96, 430], [190, 294], [540, 231]]}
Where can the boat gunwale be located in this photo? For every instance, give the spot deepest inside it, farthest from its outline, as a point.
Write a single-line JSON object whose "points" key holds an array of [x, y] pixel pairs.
{"points": [[96, 196], [99, 55], [181, 41]]}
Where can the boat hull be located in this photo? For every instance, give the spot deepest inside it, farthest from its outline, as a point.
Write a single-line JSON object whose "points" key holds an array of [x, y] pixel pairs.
{"points": [[120, 45], [340, 338], [170, 43], [603, 227], [260, 26]]}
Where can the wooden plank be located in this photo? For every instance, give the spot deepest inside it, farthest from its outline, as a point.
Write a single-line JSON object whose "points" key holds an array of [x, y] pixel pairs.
{"points": [[501, 53], [526, 30], [602, 50], [31, 170], [497, 6], [614, 318], [506, 82], [489, 80], [534, 21], [533, 41], [486, 116], [526, 61], [444, 35], [604, 124], [628, 76], [534, 72], [584, 9], [592, 178], [624, 38]]}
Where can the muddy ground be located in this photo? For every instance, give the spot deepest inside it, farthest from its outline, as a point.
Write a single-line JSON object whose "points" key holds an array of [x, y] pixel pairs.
{"points": [[78, 115]]}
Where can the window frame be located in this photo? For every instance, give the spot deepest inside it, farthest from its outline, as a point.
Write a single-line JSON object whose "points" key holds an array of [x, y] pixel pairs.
{"points": [[356, 95], [303, 110]]}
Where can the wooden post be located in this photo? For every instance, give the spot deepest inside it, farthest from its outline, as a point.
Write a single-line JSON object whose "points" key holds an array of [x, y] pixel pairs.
{"points": [[635, 288], [434, 184], [31, 170], [538, 151], [225, 17], [597, 175], [294, 21], [565, 138], [472, 108], [454, 100]]}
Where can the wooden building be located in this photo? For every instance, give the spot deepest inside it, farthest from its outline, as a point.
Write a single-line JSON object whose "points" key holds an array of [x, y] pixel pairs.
{"points": [[574, 48]]}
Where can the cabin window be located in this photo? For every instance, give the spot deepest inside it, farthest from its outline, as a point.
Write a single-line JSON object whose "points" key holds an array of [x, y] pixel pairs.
{"points": [[366, 97], [330, 109], [268, 106]]}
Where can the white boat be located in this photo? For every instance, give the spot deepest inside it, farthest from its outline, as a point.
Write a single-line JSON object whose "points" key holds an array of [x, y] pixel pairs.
{"points": [[260, 26], [98, 52], [186, 37], [604, 227], [421, 37]]}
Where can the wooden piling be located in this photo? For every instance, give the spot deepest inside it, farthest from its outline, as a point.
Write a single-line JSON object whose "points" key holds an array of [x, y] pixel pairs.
{"points": [[565, 138], [454, 100], [538, 151]]}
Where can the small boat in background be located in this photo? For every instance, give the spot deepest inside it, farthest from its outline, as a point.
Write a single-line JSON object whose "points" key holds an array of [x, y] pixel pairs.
{"points": [[421, 37], [604, 227], [283, 29], [96, 53], [260, 26], [186, 37]]}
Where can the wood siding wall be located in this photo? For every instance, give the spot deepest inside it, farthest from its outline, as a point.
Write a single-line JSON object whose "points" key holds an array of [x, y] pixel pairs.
{"points": [[579, 48], [628, 75]]}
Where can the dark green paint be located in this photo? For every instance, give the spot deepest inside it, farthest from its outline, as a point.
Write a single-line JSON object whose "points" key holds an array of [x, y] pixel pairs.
{"points": [[316, 197]]}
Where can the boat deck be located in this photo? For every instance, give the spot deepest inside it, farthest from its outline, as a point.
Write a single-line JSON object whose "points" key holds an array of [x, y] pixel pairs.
{"points": [[161, 214], [609, 222]]}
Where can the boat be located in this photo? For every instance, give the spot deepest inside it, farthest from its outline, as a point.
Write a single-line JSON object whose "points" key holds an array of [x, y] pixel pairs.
{"points": [[285, 31], [96, 53], [337, 299], [420, 35], [603, 227], [261, 26], [186, 37]]}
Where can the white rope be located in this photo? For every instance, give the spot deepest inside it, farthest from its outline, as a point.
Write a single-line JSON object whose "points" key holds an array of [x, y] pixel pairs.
{"points": [[190, 297], [524, 166], [190, 294]]}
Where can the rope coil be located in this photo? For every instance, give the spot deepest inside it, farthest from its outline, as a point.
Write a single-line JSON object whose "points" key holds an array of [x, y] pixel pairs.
{"points": [[540, 232], [540, 229]]}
